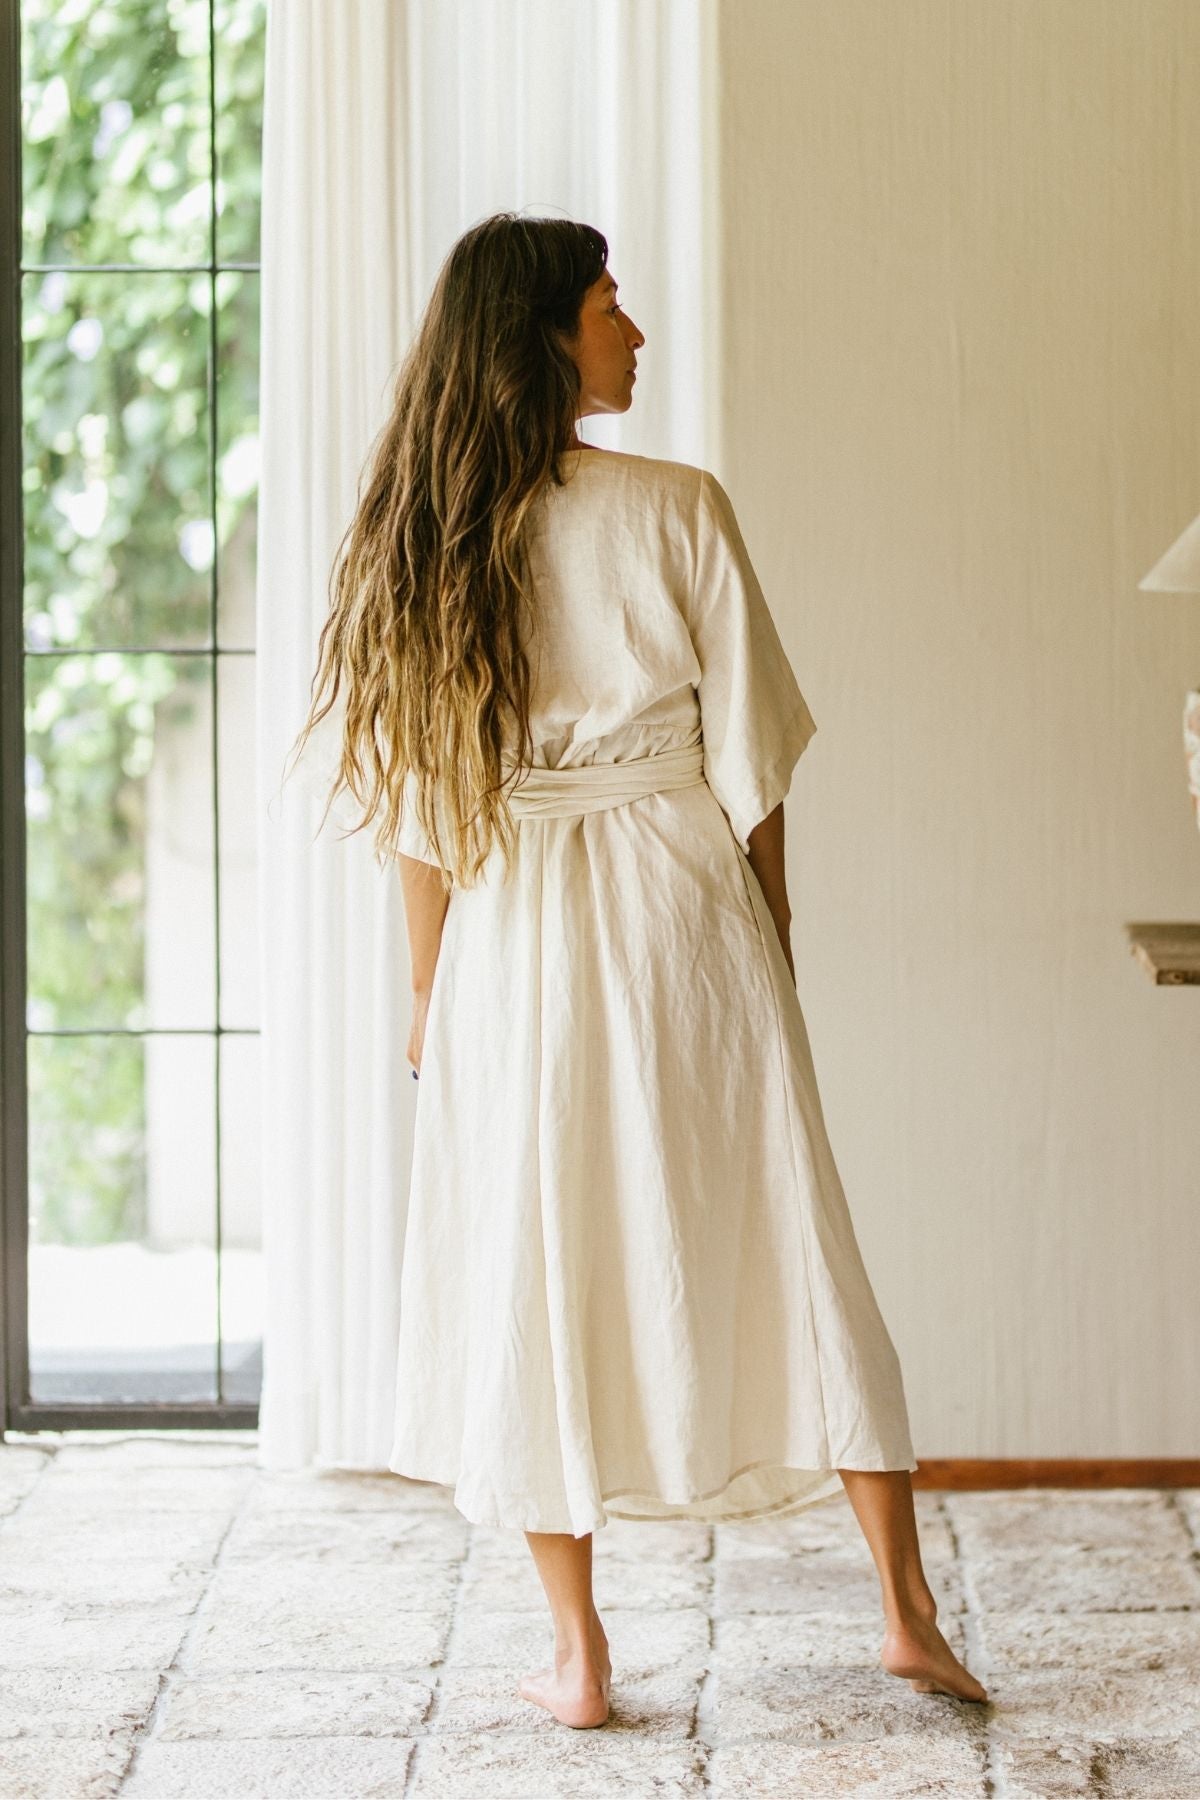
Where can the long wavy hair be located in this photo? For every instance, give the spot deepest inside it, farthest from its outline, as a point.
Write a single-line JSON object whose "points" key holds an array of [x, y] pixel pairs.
{"points": [[430, 604]]}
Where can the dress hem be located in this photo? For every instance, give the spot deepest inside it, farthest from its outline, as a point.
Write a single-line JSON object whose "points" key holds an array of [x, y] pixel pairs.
{"points": [[529, 1520]]}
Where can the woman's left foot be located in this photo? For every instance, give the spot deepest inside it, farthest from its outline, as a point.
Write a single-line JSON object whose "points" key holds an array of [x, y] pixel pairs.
{"points": [[917, 1651], [576, 1690]]}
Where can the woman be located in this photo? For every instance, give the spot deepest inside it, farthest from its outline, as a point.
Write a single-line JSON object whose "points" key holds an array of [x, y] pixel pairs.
{"points": [[631, 1286]]}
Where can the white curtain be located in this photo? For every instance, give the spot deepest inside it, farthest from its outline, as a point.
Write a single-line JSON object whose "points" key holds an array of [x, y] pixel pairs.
{"points": [[388, 130]]}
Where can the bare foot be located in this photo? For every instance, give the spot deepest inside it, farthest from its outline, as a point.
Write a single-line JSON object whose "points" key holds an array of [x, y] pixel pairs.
{"points": [[917, 1651], [576, 1689]]}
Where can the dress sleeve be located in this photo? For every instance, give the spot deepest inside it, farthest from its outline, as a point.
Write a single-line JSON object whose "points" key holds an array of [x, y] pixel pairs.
{"points": [[754, 719], [412, 839], [316, 768]]}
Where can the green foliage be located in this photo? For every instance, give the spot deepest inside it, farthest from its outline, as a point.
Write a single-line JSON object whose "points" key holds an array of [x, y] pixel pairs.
{"points": [[87, 1174], [89, 737], [140, 403]]}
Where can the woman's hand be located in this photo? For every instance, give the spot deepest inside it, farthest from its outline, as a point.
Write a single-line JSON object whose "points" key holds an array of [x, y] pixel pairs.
{"points": [[766, 858]]}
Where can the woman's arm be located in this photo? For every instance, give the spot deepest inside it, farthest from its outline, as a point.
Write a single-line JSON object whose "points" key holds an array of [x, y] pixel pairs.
{"points": [[425, 904], [765, 856]]}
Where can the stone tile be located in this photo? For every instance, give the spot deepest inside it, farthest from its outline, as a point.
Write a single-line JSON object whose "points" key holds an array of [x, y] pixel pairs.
{"points": [[512, 1586], [830, 1525], [143, 1450], [836, 1581], [819, 1640], [820, 1529], [1046, 1771], [293, 1704], [1187, 1501], [271, 1769], [895, 1768], [85, 1585], [829, 1705], [75, 1533], [656, 1706], [394, 1586], [558, 1764], [116, 1493], [73, 1703], [509, 1640], [805, 1582], [480, 1697], [1120, 1643], [319, 1615], [1149, 1769], [357, 1620], [650, 1540], [946, 1584], [20, 1468], [485, 1698], [621, 1540], [1133, 1768], [500, 1543], [1075, 1580], [371, 1536], [641, 1643], [1125, 1519], [503, 1586], [39, 1637], [1033, 1703], [336, 1490], [75, 1769]]}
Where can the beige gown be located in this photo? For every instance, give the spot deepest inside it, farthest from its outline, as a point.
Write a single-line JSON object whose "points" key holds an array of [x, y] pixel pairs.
{"points": [[631, 1287]]}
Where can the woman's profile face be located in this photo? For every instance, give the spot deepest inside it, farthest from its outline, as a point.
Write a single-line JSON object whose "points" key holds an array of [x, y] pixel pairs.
{"points": [[604, 350]]}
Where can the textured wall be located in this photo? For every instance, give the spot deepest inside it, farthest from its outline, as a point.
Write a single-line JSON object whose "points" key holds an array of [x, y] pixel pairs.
{"points": [[960, 420]]}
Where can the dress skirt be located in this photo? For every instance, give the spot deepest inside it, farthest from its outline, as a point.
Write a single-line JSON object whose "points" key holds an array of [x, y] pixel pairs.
{"points": [[631, 1287]]}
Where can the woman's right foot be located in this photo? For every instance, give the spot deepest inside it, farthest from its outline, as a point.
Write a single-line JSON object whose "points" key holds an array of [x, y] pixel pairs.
{"points": [[915, 1650]]}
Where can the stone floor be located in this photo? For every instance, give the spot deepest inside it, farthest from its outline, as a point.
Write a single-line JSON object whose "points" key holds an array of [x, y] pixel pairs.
{"points": [[176, 1621]]}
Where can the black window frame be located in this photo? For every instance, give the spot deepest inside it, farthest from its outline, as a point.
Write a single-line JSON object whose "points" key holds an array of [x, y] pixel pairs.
{"points": [[18, 1412]]}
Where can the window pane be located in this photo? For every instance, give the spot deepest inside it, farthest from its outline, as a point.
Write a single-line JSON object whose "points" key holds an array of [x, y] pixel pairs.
{"points": [[241, 1221], [140, 497], [115, 118], [119, 841], [238, 843], [240, 49], [122, 1259], [237, 458], [118, 513]]}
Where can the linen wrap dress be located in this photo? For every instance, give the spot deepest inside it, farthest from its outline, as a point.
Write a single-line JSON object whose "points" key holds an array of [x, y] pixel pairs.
{"points": [[631, 1286]]}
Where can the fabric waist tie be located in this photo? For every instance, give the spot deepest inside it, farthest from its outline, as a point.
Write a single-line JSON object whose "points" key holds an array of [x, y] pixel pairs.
{"points": [[593, 787]]}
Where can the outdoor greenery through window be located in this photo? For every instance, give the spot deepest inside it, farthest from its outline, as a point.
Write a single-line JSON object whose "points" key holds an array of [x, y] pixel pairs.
{"points": [[141, 161]]}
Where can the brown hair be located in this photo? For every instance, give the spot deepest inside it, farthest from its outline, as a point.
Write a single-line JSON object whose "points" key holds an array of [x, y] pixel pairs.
{"points": [[431, 576]]}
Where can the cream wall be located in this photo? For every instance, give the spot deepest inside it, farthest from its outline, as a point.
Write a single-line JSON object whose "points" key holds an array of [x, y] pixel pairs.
{"points": [[960, 419]]}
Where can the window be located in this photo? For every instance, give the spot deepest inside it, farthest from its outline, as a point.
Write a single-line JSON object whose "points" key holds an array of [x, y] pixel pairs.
{"points": [[131, 242]]}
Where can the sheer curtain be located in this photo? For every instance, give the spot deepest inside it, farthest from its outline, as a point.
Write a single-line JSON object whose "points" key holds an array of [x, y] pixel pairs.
{"points": [[388, 129]]}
